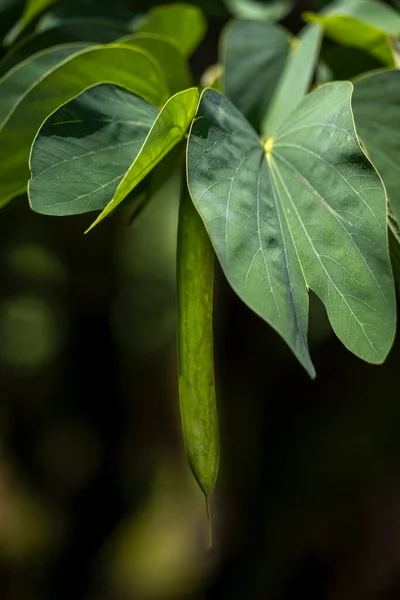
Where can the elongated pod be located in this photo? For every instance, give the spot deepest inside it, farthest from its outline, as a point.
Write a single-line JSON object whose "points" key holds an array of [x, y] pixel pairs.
{"points": [[195, 275]]}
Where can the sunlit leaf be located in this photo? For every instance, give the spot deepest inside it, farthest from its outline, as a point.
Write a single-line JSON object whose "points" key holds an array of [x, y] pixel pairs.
{"points": [[172, 63], [253, 55], [167, 131], [85, 148], [306, 210], [183, 24], [128, 67]]}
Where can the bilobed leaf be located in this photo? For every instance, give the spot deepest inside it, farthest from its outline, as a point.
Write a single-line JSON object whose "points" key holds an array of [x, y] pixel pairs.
{"points": [[168, 129], [95, 31], [172, 63], [296, 78], [261, 10], [84, 149], [377, 117], [363, 24], [307, 210], [183, 24], [253, 56], [127, 67]]}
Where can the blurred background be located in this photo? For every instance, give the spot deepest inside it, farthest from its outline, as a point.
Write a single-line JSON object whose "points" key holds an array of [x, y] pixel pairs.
{"points": [[96, 499]]}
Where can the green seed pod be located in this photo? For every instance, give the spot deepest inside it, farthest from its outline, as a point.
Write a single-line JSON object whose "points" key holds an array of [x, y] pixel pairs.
{"points": [[195, 274]]}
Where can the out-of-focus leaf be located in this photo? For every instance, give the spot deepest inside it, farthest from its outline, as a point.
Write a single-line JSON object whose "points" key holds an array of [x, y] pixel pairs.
{"points": [[127, 67], [17, 82], [168, 130], [347, 63], [76, 10], [33, 8], [306, 210], [377, 115], [261, 10], [94, 31], [363, 24], [253, 56], [172, 63], [183, 24], [10, 12], [296, 78]]}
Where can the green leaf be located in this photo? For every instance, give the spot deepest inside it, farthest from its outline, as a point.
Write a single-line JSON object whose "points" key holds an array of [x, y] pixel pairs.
{"points": [[167, 131], [307, 210], [253, 55], [95, 31], [377, 116], [127, 67], [183, 24], [33, 8], [10, 12], [362, 24], [267, 10], [15, 84], [296, 78], [172, 63], [63, 11], [84, 149]]}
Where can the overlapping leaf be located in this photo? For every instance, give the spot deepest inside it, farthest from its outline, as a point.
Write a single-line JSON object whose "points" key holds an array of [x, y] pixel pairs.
{"points": [[364, 24], [167, 131], [170, 60], [105, 141], [296, 78], [377, 116], [307, 210], [253, 55], [85, 148], [183, 24], [126, 66]]}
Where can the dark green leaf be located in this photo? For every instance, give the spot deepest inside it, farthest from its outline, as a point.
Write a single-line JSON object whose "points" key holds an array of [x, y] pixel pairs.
{"points": [[377, 116], [167, 131], [95, 31], [253, 55], [85, 148], [10, 12]]}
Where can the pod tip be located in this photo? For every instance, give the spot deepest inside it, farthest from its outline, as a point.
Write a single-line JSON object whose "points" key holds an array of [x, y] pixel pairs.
{"points": [[210, 531]]}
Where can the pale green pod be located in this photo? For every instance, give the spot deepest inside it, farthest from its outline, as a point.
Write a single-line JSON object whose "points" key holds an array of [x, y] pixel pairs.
{"points": [[195, 275]]}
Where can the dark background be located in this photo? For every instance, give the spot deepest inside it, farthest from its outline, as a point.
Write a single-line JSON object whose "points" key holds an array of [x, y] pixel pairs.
{"points": [[96, 499]]}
